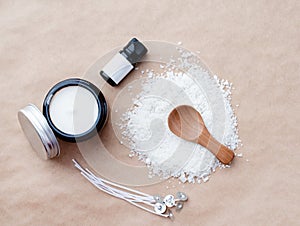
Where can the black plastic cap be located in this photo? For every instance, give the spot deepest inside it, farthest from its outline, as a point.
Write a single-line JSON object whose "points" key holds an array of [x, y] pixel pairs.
{"points": [[134, 51]]}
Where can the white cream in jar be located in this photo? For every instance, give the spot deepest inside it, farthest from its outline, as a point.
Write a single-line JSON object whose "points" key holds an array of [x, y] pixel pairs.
{"points": [[75, 109]]}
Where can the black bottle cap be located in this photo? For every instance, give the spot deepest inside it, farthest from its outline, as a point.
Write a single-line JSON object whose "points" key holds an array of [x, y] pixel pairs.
{"points": [[134, 51]]}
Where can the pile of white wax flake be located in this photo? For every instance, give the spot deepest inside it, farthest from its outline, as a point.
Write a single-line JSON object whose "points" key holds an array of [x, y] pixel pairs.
{"points": [[145, 126]]}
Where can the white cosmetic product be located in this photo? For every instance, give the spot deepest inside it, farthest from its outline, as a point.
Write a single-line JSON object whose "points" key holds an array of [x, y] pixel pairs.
{"points": [[73, 110]]}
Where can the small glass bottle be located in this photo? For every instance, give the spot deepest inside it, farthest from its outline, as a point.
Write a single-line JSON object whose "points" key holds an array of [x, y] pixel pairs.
{"points": [[123, 62]]}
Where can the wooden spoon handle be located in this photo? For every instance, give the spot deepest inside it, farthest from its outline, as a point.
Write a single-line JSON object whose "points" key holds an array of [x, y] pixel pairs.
{"points": [[223, 153]]}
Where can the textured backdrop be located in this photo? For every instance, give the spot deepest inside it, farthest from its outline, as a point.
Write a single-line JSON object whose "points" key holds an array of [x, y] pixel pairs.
{"points": [[254, 44]]}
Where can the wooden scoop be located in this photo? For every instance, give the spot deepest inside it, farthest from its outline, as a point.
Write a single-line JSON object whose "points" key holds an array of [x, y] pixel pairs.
{"points": [[187, 123]]}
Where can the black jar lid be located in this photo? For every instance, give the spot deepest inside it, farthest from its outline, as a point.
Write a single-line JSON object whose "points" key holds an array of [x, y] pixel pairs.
{"points": [[101, 113]]}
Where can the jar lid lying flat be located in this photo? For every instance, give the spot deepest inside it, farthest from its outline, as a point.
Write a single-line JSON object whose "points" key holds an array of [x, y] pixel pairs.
{"points": [[38, 132]]}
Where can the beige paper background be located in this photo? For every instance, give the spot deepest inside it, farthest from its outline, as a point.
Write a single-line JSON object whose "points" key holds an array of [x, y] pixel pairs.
{"points": [[254, 44]]}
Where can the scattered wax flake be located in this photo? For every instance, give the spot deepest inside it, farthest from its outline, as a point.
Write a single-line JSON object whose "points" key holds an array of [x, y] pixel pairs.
{"points": [[240, 155], [182, 178], [150, 74], [136, 68], [191, 179], [205, 179], [131, 154], [179, 43], [148, 161]]}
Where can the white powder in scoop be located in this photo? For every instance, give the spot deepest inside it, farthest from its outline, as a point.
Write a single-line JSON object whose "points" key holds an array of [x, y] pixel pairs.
{"points": [[145, 127]]}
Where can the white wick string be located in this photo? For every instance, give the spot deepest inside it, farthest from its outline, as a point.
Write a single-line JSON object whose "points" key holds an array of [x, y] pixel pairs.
{"points": [[132, 196], [118, 186], [99, 181]]}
